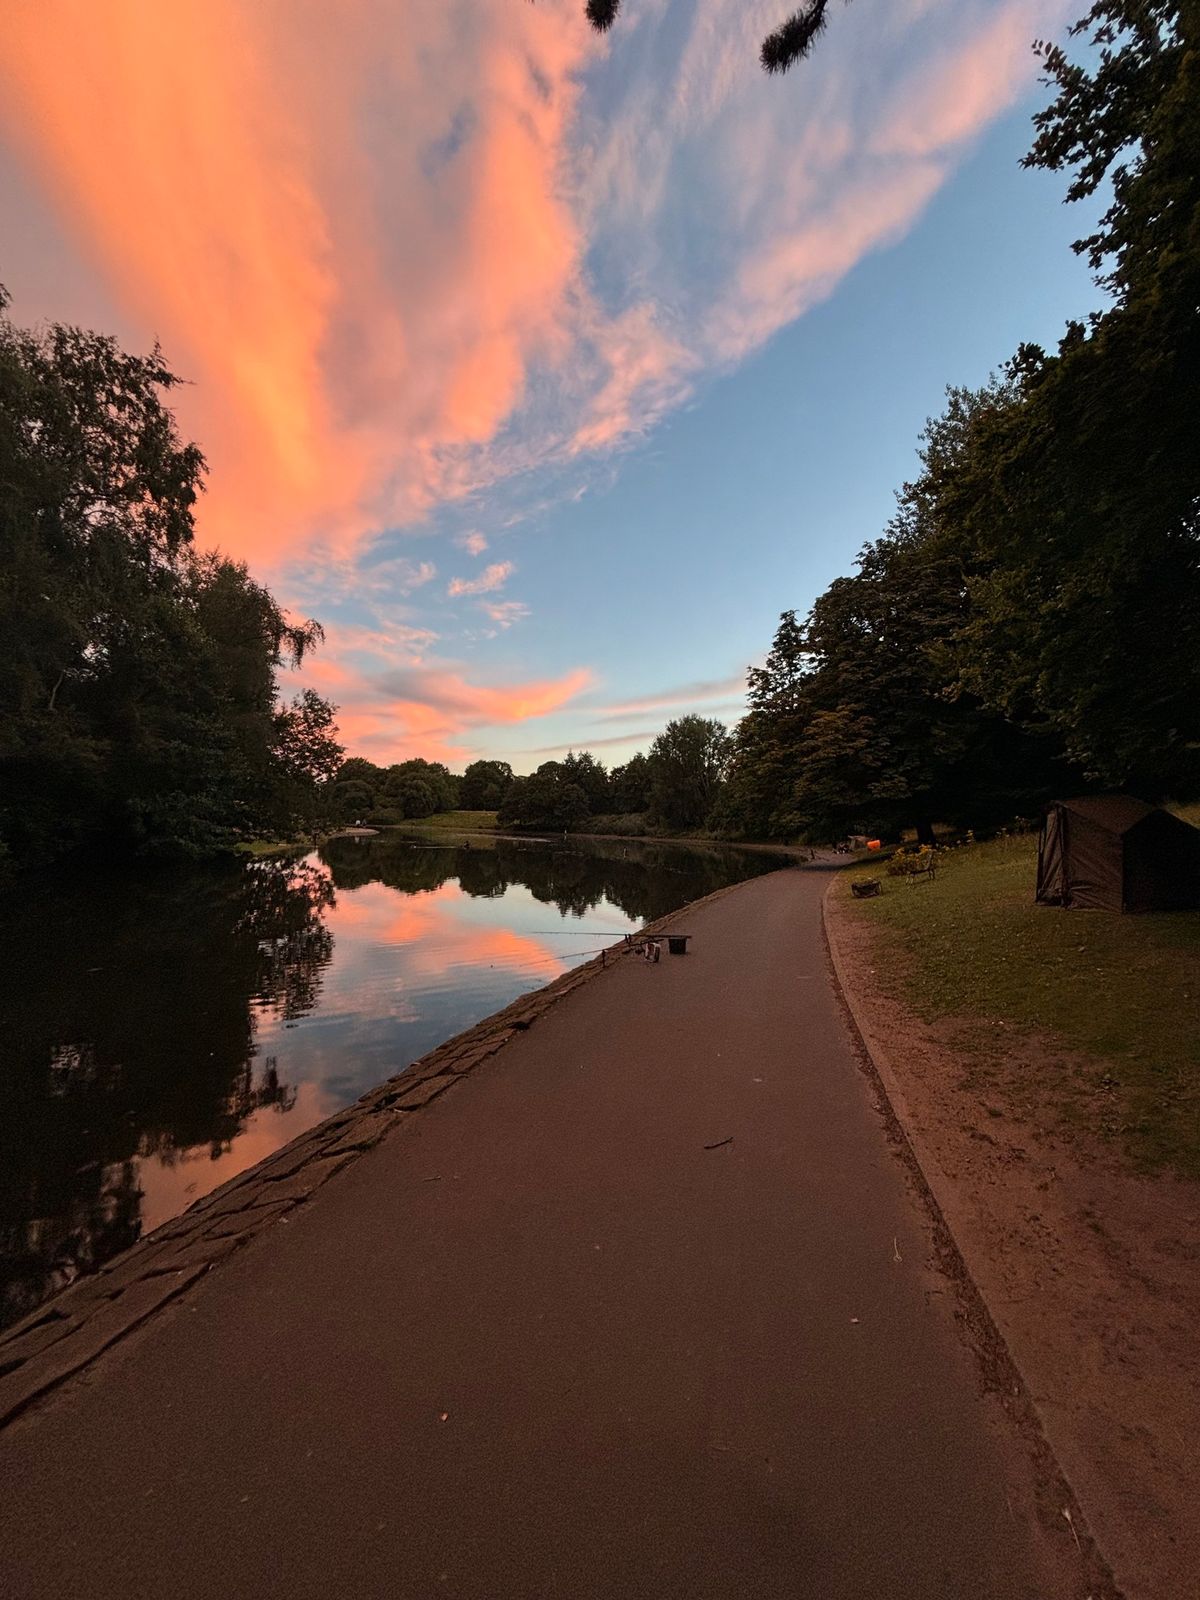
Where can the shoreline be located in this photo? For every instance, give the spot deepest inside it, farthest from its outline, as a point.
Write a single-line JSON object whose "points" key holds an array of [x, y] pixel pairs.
{"points": [[67, 1332]]}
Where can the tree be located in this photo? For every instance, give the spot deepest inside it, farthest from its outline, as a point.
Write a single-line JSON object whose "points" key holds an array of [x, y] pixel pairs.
{"points": [[546, 799], [790, 42], [351, 800], [629, 786], [589, 775], [437, 791], [687, 763], [1080, 499], [758, 799], [138, 693], [484, 785]]}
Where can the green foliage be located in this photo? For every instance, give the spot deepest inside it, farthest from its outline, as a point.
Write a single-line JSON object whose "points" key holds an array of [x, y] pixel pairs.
{"points": [[407, 789], [548, 799], [138, 699], [687, 765], [980, 656], [629, 786], [589, 775], [484, 785]]}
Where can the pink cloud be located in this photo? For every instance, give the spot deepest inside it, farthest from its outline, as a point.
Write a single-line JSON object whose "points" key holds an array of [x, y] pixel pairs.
{"points": [[504, 613], [684, 694], [473, 543], [968, 82], [371, 245], [357, 284], [491, 578], [395, 702]]}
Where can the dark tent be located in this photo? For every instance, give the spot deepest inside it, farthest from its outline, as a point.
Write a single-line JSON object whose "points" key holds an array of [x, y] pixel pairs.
{"points": [[1113, 853]]}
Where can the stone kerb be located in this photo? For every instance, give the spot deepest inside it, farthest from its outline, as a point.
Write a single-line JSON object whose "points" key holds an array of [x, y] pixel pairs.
{"points": [[87, 1317]]}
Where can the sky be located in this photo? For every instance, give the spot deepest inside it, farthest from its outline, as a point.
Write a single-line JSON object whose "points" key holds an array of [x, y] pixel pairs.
{"points": [[544, 369]]}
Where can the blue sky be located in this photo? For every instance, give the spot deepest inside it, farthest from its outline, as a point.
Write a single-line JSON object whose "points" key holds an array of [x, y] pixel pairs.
{"points": [[544, 370]]}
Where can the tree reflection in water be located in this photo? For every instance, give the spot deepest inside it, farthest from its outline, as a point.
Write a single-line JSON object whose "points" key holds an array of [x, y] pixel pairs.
{"points": [[127, 1032], [143, 1051], [644, 879]]}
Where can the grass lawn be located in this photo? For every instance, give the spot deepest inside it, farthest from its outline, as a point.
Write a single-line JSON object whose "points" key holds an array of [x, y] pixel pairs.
{"points": [[1122, 990], [268, 847], [453, 822]]}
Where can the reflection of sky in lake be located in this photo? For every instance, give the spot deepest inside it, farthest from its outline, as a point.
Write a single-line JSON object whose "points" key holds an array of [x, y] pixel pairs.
{"points": [[161, 1033], [170, 1181], [411, 970]]}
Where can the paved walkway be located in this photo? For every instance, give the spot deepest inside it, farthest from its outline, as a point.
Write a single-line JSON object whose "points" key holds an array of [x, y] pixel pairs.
{"points": [[543, 1342]]}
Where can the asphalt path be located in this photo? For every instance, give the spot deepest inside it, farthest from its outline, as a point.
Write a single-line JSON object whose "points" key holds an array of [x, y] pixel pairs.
{"points": [[644, 1307]]}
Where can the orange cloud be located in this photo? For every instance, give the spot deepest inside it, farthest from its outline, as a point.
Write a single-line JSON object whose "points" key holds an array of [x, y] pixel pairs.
{"points": [[372, 234], [397, 706], [437, 933], [264, 185]]}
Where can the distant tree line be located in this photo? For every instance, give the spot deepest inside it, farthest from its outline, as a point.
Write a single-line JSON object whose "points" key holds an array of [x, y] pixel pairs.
{"points": [[139, 704], [674, 788]]}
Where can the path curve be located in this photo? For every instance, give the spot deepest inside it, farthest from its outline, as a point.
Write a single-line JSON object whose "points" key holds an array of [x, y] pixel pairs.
{"points": [[645, 1308]]}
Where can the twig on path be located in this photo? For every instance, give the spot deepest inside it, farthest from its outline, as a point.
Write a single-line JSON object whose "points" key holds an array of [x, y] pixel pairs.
{"points": [[1071, 1525], [719, 1143]]}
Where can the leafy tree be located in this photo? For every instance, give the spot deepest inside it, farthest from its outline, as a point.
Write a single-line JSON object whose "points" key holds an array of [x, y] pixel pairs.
{"points": [[1086, 495], [138, 695], [758, 799], [589, 775], [484, 785], [546, 799], [687, 763], [351, 800], [629, 786], [357, 769]]}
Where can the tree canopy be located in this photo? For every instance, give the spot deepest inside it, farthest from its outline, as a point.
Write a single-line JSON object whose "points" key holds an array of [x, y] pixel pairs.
{"points": [[139, 698], [1031, 617]]}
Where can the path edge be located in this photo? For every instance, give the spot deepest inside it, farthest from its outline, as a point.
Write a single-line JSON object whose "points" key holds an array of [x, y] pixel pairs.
{"points": [[68, 1332], [942, 1201]]}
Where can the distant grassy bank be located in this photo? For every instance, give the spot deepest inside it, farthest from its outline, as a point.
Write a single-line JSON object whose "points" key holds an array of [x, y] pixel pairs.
{"points": [[452, 822], [1121, 991]]}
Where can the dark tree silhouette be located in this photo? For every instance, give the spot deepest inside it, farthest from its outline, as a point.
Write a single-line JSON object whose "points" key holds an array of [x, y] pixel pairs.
{"points": [[792, 41]]}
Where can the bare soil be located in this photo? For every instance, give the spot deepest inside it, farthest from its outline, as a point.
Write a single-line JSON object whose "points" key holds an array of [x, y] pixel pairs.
{"points": [[1090, 1271]]}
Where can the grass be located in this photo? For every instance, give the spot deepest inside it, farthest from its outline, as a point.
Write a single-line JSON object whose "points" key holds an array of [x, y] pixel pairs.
{"points": [[453, 822], [261, 848], [1121, 991]]}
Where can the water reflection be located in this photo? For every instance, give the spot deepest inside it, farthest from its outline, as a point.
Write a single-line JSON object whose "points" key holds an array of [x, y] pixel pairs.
{"points": [[159, 1035], [126, 1037]]}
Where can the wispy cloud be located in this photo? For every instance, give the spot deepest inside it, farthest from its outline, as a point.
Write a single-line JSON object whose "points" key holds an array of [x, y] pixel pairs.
{"points": [[684, 694], [639, 736], [405, 262], [490, 579], [397, 699], [474, 543], [504, 613]]}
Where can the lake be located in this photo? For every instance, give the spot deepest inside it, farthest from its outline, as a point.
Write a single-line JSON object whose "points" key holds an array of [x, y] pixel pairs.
{"points": [[160, 1033]]}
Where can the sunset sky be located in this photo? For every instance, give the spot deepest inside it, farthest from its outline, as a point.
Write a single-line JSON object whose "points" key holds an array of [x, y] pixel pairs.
{"points": [[544, 369]]}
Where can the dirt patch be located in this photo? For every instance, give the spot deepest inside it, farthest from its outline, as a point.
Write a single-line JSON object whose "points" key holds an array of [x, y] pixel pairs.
{"points": [[1091, 1272]]}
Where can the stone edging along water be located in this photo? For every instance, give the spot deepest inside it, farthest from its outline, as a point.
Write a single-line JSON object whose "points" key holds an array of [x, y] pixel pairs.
{"points": [[89, 1316]]}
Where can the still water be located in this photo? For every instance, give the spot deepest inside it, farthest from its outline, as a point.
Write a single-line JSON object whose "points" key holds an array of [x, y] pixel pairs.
{"points": [[160, 1034]]}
